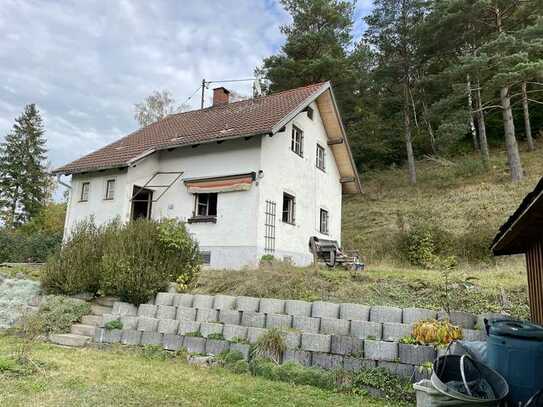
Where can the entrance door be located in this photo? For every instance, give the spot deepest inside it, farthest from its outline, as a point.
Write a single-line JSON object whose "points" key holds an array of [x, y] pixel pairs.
{"points": [[141, 203]]}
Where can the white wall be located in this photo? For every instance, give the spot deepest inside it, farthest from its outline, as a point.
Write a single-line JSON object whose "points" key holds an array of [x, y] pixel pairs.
{"points": [[285, 171]]}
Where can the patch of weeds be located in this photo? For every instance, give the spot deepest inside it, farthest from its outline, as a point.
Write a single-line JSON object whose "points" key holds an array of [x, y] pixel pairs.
{"points": [[181, 353], [115, 324], [392, 386], [408, 340], [240, 340], [59, 313], [155, 352], [196, 334], [216, 336], [270, 345]]}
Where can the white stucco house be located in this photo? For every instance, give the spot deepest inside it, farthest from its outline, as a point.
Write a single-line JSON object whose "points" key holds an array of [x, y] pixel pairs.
{"points": [[250, 178]]}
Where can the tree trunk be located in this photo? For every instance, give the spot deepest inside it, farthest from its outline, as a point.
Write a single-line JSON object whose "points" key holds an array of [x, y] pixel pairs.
{"points": [[471, 122], [408, 140], [513, 155], [527, 126], [481, 125], [429, 126]]}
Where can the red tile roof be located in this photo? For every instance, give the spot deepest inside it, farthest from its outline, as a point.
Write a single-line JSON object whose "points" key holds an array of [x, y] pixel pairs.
{"points": [[236, 119]]}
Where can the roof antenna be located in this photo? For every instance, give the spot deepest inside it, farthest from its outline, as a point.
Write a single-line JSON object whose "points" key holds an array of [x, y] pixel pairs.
{"points": [[204, 84]]}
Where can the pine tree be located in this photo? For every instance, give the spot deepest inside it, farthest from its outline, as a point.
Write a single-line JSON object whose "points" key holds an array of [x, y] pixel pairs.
{"points": [[24, 183]]}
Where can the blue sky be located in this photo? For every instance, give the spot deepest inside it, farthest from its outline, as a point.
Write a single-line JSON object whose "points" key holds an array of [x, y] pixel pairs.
{"points": [[85, 63]]}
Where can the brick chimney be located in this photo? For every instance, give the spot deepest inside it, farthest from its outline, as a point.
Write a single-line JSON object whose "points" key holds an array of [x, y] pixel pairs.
{"points": [[220, 96]]}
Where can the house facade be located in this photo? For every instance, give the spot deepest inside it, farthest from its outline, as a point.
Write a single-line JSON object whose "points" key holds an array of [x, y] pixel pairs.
{"points": [[250, 178]]}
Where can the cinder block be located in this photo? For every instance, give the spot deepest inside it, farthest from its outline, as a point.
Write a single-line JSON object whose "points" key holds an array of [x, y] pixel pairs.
{"points": [[321, 309], [254, 333], [186, 314], [347, 345], [183, 300], [354, 311], [202, 301], [386, 314], [164, 298], [394, 332], [129, 322], [279, 321], [172, 342], [168, 326], [124, 308], [108, 318], [293, 340], [130, 337], [474, 335], [326, 361], [306, 324], [224, 302], [272, 306], [208, 328], [247, 304], [455, 348], [231, 332], [416, 354], [207, 315], [166, 312], [398, 369], [147, 310], [254, 319], [301, 308], [367, 329], [194, 344], [147, 324], [298, 356], [186, 327], [412, 315], [214, 347], [242, 348], [334, 326], [316, 342], [151, 338], [462, 319], [99, 334], [352, 364], [112, 335], [380, 350], [231, 317]]}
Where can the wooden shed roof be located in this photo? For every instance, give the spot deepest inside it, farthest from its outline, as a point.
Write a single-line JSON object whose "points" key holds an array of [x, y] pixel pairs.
{"points": [[524, 226]]}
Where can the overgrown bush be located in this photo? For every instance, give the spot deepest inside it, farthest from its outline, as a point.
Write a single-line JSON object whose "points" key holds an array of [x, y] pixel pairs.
{"points": [[132, 261], [77, 267], [270, 345], [424, 243], [18, 247]]}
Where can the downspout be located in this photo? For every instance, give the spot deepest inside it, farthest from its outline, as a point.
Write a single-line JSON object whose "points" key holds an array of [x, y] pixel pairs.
{"points": [[68, 186]]}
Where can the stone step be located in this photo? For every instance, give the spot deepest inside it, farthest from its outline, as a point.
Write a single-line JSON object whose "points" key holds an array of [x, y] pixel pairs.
{"points": [[100, 309], [94, 320], [70, 340], [105, 301], [84, 330]]}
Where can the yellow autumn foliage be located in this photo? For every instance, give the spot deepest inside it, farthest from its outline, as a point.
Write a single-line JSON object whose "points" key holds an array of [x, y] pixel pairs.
{"points": [[436, 332]]}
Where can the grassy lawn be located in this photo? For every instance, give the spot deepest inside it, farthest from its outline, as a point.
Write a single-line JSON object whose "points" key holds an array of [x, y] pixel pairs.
{"points": [[123, 377]]}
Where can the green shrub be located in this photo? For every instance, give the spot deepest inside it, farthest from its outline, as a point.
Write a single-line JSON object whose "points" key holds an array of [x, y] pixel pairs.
{"points": [[18, 247], [141, 257], [156, 352], [115, 324], [77, 267], [393, 387], [239, 367]]}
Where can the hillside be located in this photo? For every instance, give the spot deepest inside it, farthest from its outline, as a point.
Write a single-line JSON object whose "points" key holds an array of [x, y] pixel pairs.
{"points": [[463, 204]]}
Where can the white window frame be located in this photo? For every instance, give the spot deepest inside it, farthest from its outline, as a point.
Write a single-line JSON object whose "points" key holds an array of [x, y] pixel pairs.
{"points": [[84, 195], [324, 221], [297, 141], [291, 209], [198, 204], [320, 159], [108, 191]]}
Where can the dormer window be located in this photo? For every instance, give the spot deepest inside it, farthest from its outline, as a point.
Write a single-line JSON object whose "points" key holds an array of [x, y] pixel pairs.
{"points": [[297, 141]]}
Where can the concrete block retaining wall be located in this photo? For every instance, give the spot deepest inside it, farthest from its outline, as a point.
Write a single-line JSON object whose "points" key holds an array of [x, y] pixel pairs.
{"points": [[321, 334]]}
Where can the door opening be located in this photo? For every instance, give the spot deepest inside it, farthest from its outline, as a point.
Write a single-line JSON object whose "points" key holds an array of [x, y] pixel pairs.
{"points": [[141, 203]]}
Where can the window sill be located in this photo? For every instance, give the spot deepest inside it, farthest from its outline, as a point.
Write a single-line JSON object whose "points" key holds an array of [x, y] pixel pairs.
{"points": [[298, 154], [289, 223], [202, 219], [109, 199], [324, 233], [83, 201], [322, 169]]}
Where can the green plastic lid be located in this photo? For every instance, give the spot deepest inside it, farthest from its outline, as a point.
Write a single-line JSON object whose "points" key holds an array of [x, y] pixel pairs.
{"points": [[516, 329]]}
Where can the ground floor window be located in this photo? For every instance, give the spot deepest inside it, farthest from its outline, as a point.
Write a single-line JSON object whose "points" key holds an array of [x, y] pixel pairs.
{"points": [[289, 208], [324, 221], [206, 257], [206, 204]]}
